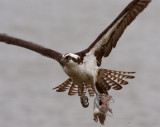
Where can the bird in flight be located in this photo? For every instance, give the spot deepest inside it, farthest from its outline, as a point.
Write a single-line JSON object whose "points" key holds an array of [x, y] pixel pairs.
{"points": [[83, 68]]}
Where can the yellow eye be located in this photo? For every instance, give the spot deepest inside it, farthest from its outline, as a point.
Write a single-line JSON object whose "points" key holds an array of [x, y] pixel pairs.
{"points": [[68, 57]]}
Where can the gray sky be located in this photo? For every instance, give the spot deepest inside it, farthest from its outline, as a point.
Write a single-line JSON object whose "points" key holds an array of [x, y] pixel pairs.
{"points": [[27, 78]]}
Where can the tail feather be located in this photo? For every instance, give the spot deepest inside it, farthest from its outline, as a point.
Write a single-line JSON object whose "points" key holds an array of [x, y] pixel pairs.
{"points": [[90, 90], [118, 79], [73, 90], [80, 90], [108, 79], [113, 84], [118, 72], [64, 86]]}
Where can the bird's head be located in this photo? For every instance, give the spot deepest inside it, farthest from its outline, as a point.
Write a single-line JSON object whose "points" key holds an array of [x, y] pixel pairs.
{"points": [[69, 58]]}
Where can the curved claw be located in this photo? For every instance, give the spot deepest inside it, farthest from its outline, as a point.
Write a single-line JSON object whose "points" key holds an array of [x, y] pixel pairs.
{"points": [[84, 101]]}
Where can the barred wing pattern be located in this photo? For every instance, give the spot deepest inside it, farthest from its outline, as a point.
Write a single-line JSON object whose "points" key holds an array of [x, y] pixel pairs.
{"points": [[64, 86], [106, 80], [73, 88]]}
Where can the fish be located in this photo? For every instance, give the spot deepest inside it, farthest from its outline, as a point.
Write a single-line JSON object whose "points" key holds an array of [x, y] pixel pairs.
{"points": [[101, 107]]}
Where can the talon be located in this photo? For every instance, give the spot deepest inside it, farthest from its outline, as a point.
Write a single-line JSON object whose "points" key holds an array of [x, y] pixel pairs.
{"points": [[84, 101]]}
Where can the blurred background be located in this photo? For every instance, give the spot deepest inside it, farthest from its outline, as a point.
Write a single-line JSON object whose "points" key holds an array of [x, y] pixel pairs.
{"points": [[27, 78]]}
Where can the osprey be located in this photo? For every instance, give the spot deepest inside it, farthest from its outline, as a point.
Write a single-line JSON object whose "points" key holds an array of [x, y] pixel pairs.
{"points": [[83, 68]]}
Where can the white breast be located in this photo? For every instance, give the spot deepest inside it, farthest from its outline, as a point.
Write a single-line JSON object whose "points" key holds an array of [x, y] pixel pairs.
{"points": [[85, 72]]}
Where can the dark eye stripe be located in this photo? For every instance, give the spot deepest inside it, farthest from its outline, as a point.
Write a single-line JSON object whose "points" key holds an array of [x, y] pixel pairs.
{"points": [[76, 60], [68, 57]]}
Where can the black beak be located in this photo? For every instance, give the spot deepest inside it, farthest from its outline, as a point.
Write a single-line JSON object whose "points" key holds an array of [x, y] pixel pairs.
{"points": [[63, 61]]}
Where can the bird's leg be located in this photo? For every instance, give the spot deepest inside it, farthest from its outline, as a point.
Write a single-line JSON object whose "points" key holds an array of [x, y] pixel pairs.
{"points": [[84, 99], [95, 90]]}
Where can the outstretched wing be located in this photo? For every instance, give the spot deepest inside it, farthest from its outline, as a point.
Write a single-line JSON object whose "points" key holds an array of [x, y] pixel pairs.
{"points": [[107, 40], [29, 45]]}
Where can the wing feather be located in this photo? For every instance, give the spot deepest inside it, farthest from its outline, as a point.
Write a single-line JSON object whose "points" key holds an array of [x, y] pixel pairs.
{"points": [[107, 40], [64, 86], [73, 90], [108, 79], [32, 46]]}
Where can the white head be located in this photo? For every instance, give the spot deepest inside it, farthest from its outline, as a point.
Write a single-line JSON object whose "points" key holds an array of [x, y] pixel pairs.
{"points": [[69, 58], [75, 56]]}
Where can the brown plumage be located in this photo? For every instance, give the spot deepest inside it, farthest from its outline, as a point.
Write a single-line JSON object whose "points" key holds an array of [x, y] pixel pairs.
{"points": [[89, 59], [73, 88], [106, 80], [126, 16], [118, 26], [32, 46]]}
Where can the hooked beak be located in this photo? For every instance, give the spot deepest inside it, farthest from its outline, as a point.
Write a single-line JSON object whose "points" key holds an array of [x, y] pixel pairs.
{"points": [[63, 61]]}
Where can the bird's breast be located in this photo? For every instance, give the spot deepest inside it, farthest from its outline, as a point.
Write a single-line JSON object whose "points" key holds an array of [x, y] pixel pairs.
{"points": [[81, 73]]}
